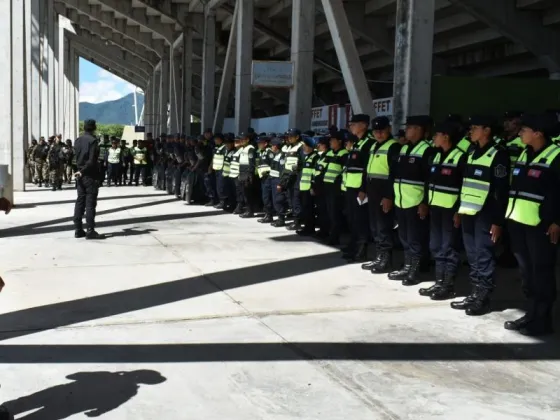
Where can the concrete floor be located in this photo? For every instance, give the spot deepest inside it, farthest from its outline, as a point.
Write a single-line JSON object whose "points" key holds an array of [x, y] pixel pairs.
{"points": [[187, 313]]}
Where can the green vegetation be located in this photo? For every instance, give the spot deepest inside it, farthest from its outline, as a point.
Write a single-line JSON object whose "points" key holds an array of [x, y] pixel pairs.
{"points": [[106, 129]]}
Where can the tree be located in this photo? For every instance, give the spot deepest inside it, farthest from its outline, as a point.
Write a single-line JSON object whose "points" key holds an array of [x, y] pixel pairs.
{"points": [[106, 129]]}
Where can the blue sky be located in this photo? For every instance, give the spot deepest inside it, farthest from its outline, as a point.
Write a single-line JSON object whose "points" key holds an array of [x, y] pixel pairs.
{"points": [[98, 85]]}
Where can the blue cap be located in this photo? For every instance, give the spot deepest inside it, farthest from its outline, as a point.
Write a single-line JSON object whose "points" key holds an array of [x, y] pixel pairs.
{"points": [[276, 141], [322, 140], [309, 141], [263, 139], [380, 123], [293, 132]]}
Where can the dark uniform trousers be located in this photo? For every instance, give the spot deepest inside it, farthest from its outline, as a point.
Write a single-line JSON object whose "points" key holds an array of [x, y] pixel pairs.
{"points": [[480, 249], [444, 240], [267, 195], [220, 188], [88, 188], [209, 187], [307, 210], [230, 196], [357, 217], [132, 171], [294, 197], [239, 195], [178, 178], [380, 223], [334, 199], [413, 232], [279, 198], [140, 170], [322, 209], [536, 256], [113, 174]]}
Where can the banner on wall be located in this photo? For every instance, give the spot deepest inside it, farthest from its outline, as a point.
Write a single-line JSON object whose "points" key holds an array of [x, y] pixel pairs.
{"points": [[324, 117], [383, 108]]}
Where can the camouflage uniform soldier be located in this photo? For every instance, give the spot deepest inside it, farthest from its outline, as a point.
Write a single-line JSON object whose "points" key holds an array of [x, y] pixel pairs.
{"points": [[29, 160], [39, 160], [55, 161], [68, 161]]}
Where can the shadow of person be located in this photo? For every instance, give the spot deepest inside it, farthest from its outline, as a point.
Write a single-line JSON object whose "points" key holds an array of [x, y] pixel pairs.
{"points": [[129, 232], [91, 393]]}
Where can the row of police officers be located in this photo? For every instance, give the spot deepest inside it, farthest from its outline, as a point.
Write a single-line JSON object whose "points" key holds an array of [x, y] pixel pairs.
{"points": [[461, 187]]}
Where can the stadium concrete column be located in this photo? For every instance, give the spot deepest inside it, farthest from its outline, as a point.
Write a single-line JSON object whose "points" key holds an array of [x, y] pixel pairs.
{"points": [[414, 38], [303, 43], [227, 74], [61, 59], [208, 68], [175, 90], [347, 53], [164, 93], [146, 115], [156, 100], [77, 93], [34, 65], [56, 120], [186, 107], [245, 22]]}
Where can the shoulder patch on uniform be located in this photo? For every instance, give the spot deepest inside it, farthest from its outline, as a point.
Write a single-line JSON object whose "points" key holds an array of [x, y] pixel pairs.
{"points": [[500, 171], [251, 154], [282, 161]]}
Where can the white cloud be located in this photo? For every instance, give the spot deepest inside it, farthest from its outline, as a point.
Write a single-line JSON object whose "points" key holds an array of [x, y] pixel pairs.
{"points": [[108, 87]]}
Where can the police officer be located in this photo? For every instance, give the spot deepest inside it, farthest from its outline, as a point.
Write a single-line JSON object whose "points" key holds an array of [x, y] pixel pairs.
{"points": [[264, 157], [292, 174], [229, 195], [103, 146], [411, 199], [464, 144], [534, 221], [139, 156], [132, 161], [383, 158], [483, 202], [220, 151], [113, 158], [445, 182], [126, 158], [234, 174], [305, 183], [318, 186], [247, 168], [87, 181], [278, 182]]}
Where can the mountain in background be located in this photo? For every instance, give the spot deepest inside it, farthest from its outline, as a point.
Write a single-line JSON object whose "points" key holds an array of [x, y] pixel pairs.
{"points": [[120, 111]]}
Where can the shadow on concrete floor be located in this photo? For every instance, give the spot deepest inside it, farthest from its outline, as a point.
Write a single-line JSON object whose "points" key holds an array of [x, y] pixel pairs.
{"points": [[91, 393], [54, 203]]}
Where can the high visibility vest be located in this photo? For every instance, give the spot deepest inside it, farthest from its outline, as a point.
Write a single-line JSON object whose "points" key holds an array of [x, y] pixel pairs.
{"points": [[307, 172], [321, 164], [292, 156], [344, 179], [140, 156], [529, 186], [445, 181], [276, 164], [334, 166], [227, 163], [556, 139], [474, 191], [409, 186], [263, 166], [464, 145], [244, 154], [515, 147], [285, 148], [218, 159], [114, 155], [354, 171], [234, 167], [378, 164]]}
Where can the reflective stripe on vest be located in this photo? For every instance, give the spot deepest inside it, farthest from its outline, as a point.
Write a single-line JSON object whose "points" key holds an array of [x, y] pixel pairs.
{"points": [[140, 156], [378, 165], [442, 195], [524, 205], [321, 163], [234, 167], [275, 173], [354, 174], [464, 145], [292, 156], [410, 192], [475, 191], [263, 167], [307, 172], [515, 148], [556, 139], [114, 155], [244, 154], [226, 170], [218, 160], [334, 169]]}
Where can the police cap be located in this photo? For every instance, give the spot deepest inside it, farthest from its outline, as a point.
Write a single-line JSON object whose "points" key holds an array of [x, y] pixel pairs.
{"points": [[244, 135], [339, 135], [293, 132], [510, 115], [360, 118], [309, 133], [263, 139], [419, 120], [380, 123], [454, 118], [350, 137], [114, 140], [446, 127], [309, 141], [322, 140], [276, 141], [228, 139], [544, 123], [219, 136], [482, 120]]}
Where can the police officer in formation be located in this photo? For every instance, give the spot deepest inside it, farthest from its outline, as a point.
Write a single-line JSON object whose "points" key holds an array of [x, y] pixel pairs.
{"points": [[114, 158]]}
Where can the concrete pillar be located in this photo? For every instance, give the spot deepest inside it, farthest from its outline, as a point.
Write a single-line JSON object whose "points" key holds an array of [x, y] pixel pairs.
{"points": [[164, 92], [227, 74], [146, 114], [34, 104], [45, 50], [413, 71], [61, 59], [77, 93], [156, 88], [347, 53], [303, 43], [56, 76], [175, 93], [6, 141], [243, 65], [186, 109], [208, 69]]}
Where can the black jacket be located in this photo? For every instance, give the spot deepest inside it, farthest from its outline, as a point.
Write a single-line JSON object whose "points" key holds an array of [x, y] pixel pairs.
{"points": [[86, 149]]}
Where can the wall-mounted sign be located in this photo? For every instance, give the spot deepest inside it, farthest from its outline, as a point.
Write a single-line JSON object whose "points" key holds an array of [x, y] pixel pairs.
{"points": [[324, 117], [139, 129], [272, 74], [383, 108]]}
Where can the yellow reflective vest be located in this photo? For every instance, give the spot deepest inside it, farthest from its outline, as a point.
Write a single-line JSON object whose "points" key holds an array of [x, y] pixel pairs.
{"points": [[114, 155], [409, 183], [140, 156], [476, 183]]}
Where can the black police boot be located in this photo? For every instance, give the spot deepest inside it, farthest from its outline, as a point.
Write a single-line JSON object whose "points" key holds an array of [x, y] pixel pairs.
{"points": [[266, 219], [79, 233], [5, 414], [53, 188], [306, 232], [522, 322], [369, 265], [40, 184], [427, 291], [209, 204], [238, 210], [412, 277], [295, 226], [220, 205], [60, 185], [92, 234], [360, 255], [541, 322], [446, 289], [383, 263], [332, 241], [480, 304], [279, 223], [461, 305], [247, 215], [401, 273]]}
